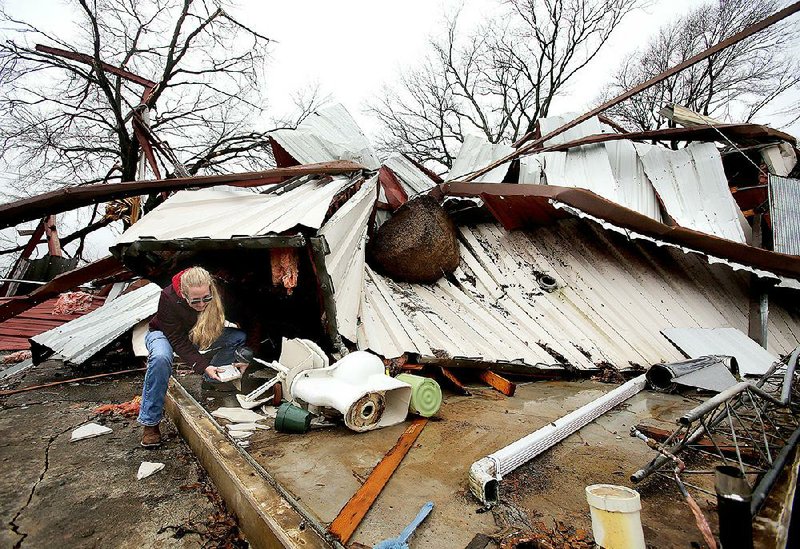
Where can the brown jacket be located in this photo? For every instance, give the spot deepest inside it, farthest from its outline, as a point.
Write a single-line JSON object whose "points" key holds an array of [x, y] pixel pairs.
{"points": [[176, 319]]}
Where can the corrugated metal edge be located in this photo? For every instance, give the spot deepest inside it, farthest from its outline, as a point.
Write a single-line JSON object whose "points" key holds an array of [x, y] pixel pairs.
{"points": [[634, 235], [330, 133], [697, 342], [305, 205], [414, 180]]}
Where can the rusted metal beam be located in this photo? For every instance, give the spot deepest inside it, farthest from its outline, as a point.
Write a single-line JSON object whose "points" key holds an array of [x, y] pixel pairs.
{"points": [[661, 435], [71, 198], [356, 509], [734, 132], [73, 380], [66, 281], [739, 36], [89, 60], [395, 193], [511, 204]]}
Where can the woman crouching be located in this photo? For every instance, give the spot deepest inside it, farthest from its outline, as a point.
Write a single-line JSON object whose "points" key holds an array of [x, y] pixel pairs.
{"points": [[190, 318]]}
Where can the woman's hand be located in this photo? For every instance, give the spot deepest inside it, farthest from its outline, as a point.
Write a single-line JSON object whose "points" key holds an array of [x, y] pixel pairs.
{"points": [[242, 366], [211, 372]]}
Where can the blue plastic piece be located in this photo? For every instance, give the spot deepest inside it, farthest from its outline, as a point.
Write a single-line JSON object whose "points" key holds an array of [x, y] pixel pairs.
{"points": [[401, 541]]}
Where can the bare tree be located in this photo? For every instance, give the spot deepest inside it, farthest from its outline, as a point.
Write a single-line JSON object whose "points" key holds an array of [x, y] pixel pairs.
{"points": [[496, 81], [735, 84], [67, 110]]}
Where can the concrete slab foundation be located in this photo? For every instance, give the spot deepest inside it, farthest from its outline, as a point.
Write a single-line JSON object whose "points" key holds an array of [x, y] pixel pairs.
{"points": [[320, 470]]}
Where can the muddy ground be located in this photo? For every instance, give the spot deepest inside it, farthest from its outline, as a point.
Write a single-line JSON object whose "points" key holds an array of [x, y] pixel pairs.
{"points": [[54, 493]]}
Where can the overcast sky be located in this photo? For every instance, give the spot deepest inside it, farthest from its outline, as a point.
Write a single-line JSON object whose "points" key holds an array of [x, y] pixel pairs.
{"points": [[352, 47]]}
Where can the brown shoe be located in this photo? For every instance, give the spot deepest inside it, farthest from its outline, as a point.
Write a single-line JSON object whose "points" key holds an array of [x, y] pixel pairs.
{"points": [[151, 438]]}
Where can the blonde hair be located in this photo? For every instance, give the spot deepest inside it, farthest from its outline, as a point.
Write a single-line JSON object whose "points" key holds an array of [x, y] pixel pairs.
{"points": [[211, 320]]}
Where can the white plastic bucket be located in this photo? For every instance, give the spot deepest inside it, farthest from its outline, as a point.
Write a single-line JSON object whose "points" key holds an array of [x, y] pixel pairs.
{"points": [[615, 516]]}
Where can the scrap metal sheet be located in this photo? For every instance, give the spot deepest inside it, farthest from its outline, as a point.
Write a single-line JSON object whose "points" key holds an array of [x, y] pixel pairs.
{"points": [[784, 206], [330, 133], [214, 213], [613, 299], [753, 359], [612, 170], [346, 235], [476, 153], [413, 180], [692, 184], [81, 339]]}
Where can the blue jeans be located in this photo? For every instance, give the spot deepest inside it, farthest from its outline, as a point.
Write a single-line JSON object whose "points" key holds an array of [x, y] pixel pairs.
{"points": [[159, 369]]}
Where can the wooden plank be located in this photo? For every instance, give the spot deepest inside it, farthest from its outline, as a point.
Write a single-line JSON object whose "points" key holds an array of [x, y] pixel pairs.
{"points": [[356, 509], [451, 377], [498, 382]]}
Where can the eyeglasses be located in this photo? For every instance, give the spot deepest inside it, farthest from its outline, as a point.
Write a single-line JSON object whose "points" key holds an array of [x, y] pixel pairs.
{"points": [[204, 299]]}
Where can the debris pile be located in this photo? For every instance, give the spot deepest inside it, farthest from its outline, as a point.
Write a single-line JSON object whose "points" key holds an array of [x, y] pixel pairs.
{"points": [[596, 251]]}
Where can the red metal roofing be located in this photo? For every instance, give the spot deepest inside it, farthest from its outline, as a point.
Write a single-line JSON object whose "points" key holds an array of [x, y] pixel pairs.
{"points": [[14, 332]]}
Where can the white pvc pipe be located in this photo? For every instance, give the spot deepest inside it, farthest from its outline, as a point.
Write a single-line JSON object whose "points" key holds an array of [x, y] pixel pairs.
{"points": [[486, 473]]}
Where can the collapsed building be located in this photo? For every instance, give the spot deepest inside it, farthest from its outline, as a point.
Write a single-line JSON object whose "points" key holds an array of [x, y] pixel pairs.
{"points": [[597, 256]]}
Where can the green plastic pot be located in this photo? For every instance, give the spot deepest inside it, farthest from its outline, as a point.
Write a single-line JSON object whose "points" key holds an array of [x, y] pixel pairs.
{"points": [[426, 395], [292, 419]]}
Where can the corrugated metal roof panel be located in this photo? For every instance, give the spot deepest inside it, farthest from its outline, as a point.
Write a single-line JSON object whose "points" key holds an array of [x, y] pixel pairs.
{"points": [[614, 298], [414, 180], [211, 213], [592, 126], [346, 234], [612, 170], [531, 170], [15, 331], [477, 153], [784, 205], [635, 189], [330, 133], [79, 340], [691, 182], [753, 359]]}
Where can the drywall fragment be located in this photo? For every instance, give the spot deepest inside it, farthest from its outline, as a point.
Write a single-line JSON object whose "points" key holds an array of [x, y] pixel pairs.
{"points": [[269, 411], [240, 434], [88, 431], [246, 426], [148, 468], [237, 415]]}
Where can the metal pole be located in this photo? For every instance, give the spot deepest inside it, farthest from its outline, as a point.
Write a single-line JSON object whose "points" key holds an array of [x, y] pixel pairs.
{"points": [[761, 491], [733, 507]]}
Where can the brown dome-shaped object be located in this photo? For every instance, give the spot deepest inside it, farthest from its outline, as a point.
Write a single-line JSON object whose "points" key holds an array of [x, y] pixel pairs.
{"points": [[417, 244]]}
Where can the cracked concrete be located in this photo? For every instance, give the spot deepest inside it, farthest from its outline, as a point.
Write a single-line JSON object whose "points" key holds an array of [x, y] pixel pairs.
{"points": [[54, 493]]}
